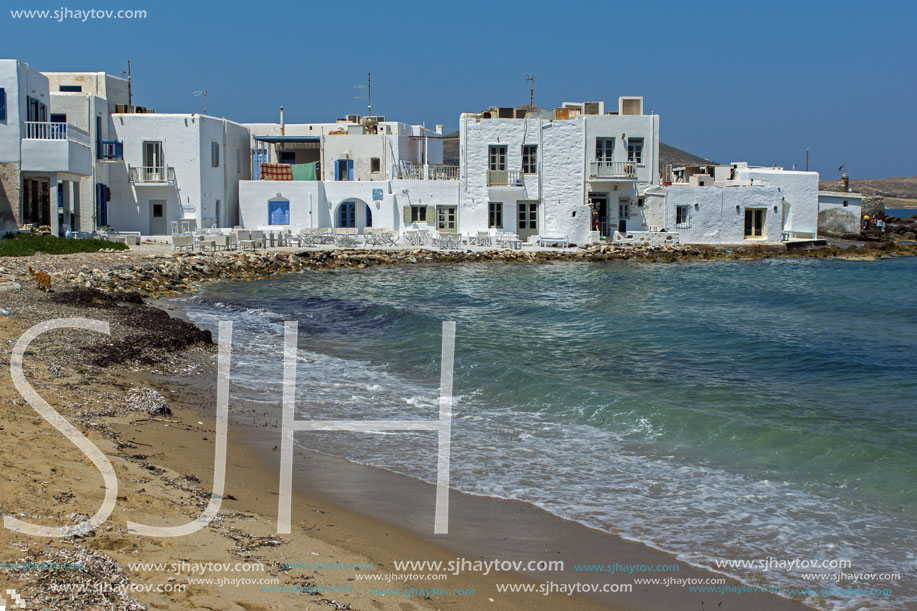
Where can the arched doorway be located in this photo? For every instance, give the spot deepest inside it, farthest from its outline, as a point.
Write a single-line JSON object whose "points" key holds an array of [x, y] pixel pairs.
{"points": [[353, 213]]}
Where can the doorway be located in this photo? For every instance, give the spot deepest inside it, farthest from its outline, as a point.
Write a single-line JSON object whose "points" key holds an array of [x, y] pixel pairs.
{"points": [[623, 214], [157, 217], [599, 201], [526, 219]]}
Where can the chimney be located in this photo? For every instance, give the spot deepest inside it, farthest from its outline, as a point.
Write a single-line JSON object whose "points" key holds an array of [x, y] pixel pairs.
{"points": [[439, 130], [845, 182], [281, 121]]}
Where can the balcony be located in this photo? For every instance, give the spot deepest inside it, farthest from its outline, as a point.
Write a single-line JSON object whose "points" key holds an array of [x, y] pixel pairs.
{"points": [[504, 178], [109, 149], [152, 175], [407, 171], [55, 147], [612, 169]]}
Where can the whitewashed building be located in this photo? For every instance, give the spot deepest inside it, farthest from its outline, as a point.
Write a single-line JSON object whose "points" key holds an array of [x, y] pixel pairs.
{"points": [[174, 167], [357, 172], [88, 100], [840, 212], [42, 161], [521, 171], [738, 204]]}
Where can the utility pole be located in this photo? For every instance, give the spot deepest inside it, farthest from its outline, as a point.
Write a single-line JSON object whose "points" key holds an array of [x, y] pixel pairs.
{"points": [[807, 159], [531, 80], [369, 93]]}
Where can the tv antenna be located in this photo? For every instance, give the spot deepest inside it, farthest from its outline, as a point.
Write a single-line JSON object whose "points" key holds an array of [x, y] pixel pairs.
{"points": [[369, 93], [202, 92], [531, 80]]}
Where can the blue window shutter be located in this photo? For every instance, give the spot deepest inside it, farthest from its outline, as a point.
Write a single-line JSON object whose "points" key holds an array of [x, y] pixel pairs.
{"points": [[2, 104], [350, 169]]}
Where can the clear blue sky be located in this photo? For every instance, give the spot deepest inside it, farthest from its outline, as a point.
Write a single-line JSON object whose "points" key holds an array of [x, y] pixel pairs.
{"points": [[733, 81]]}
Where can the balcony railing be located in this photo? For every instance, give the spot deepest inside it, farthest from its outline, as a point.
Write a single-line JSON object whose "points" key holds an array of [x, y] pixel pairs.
{"points": [[109, 149], [442, 172], [154, 174], [46, 130], [427, 172], [504, 178], [612, 169]]}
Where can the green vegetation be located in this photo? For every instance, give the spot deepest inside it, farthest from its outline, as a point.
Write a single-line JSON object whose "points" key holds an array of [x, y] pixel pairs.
{"points": [[24, 244]]}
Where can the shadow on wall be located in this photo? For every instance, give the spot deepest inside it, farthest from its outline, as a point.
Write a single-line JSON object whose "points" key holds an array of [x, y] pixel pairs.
{"points": [[7, 218]]}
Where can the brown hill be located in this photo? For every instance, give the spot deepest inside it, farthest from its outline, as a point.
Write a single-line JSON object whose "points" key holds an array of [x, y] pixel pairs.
{"points": [[898, 188]]}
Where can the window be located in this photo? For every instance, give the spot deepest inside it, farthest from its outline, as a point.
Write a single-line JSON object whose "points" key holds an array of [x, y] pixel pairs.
{"points": [[214, 154], [418, 214], [152, 154], [635, 150], [495, 214], [497, 157], [623, 210], [71, 88], [287, 157], [845, 203], [2, 104], [529, 158], [278, 212], [375, 165], [754, 222], [604, 149], [681, 216], [445, 217], [58, 117]]}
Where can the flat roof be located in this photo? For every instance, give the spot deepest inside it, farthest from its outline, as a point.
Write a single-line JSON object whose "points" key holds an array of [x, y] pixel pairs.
{"points": [[278, 139], [847, 194]]}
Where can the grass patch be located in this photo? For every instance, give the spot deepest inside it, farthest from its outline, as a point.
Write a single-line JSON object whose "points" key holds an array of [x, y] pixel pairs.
{"points": [[24, 244]]}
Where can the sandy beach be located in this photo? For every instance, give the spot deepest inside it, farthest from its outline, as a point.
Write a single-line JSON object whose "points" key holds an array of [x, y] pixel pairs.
{"points": [[351, 523]]}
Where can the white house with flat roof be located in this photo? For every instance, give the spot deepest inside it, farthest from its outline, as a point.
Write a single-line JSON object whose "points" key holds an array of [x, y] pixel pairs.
{"points": [[522, 171], [840, 212], [738, 204], [42, 160], [175, 167], [88, 100]]}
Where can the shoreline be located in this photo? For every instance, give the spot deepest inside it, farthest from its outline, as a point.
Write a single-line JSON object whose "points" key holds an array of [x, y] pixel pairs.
{"points": [[514, 520]]}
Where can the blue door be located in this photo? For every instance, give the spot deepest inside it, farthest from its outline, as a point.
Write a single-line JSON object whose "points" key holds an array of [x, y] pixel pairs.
{"points": [[101, 205], [347, 216], [343, 169], [258, 155]]}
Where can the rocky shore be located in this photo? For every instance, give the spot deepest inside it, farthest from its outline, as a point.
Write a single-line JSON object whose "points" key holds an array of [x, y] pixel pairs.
{"points": [[156, 272]]}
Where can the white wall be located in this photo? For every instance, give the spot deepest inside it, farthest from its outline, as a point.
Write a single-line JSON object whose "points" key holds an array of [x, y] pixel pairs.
{"points": [[716, 215], [186, 142], [839, 212], [798, 189], [20, 81]]}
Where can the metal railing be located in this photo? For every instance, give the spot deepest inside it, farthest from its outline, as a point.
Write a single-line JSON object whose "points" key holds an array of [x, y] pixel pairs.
{"points": [[504, 178], [612, 169], [427, 172], [46, 130], [442, 172], [109, 149], [152, 174]]}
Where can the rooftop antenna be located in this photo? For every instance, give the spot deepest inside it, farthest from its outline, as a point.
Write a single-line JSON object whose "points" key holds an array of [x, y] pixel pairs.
{"points": [[531, 80], [369, 93], [129, 96], [202, 92]]}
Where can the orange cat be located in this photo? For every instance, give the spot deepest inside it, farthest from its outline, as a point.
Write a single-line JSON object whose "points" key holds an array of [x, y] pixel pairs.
{"points": [[42, 279]]}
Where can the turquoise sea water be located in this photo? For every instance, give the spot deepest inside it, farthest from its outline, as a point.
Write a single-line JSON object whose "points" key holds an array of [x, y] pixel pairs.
{"points": [[733, 410]]}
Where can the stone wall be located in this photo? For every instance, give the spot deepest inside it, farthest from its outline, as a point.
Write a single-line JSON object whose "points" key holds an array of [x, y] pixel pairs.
{"points": [[10, 186]]}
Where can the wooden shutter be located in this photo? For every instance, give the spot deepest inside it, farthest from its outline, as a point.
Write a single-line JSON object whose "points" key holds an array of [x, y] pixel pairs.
{"points": [[407, 216], [432, 219]]}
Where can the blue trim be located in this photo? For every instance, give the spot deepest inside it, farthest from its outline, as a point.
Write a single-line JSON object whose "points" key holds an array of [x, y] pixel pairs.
{"points": [[2, 104]]}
